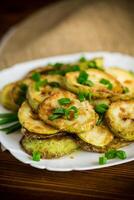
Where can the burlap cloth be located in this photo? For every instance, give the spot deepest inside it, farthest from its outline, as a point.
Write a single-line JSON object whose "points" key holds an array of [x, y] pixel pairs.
{"points": [[72, 26]]}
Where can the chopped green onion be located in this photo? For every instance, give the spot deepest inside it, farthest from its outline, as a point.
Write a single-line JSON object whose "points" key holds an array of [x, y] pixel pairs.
{"points": [[54, 84], [107, 83], [58, 65], [81, 97], [82, 59], [92, 64], [64, 101], [102, 160], [131, 72], [101, 108], [54, 116], [40, 84], [23, 87], [7, 115], [121, 154], [125, 90], [12, 128], [36, 76], [59, 111], [100, 120], [8, 120], [110, 154], [68, 111], [36, 156], [89, 83], [83, 76]]}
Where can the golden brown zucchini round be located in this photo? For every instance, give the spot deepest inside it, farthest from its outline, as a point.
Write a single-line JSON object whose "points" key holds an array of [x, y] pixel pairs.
{"points": [[6, 98], [50, 148], [86, 116], [32, 123], [103, 84], [120, 119]]}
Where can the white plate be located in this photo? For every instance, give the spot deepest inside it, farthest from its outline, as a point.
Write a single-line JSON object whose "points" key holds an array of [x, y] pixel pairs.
{"points": [[81, 160]]}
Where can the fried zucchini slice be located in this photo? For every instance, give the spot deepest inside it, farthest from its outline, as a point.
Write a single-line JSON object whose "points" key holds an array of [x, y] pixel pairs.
{"points": [[32, 123], [50, 148], [99, 136], [115, 144], [19, 90], [97, 89], [6, 98], [35, 97], [127, 81], [120, 119], [86, 116]]}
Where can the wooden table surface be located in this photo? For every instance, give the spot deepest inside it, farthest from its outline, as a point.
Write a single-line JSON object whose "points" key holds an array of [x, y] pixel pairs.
{"points": [[20, 181]]}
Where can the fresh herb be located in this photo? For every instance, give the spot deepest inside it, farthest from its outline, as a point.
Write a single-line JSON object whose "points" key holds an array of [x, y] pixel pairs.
{"points": [[101, 108], [8, 120], [102, 160], [36, 76], [107, 83], [83, 77], [89, 83], [73, 110], [54, 84], [125, 90], [58, 65], [82, 59], [65, 69], [36, 156], [59, 111], [81, 97], [111, 153], [100, 120], [12, 128], [7, 115], [39, 84], [64, 101], [121, 154], [92, 64]]}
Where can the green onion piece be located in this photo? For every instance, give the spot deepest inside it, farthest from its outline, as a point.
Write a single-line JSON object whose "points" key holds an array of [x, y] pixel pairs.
{"points": [[92, 64], [69, 110], [125, 90], [107, 83], [36, 76], [7, 115], [54, 84], [54, 116], [8, 120], [89, 83], [83, 76], [40, 83], [110, 154], [81, 97], [58, 65], [82, 59], [100, 120], [64, 101], [12, 128], [101, 108], [36, 156], [102, 160], [121, 154], [59, 111]]}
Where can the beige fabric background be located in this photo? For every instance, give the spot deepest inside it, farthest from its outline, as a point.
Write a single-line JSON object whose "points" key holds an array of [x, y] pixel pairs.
{"points": [[72, 26]]}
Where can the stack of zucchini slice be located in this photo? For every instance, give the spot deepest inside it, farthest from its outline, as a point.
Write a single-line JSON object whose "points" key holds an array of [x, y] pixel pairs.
{"points": [[65, 107]]}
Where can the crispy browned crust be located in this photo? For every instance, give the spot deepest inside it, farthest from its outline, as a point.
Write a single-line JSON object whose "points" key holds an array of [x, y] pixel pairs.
{"points": [[115, 144], [29, 134]]}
